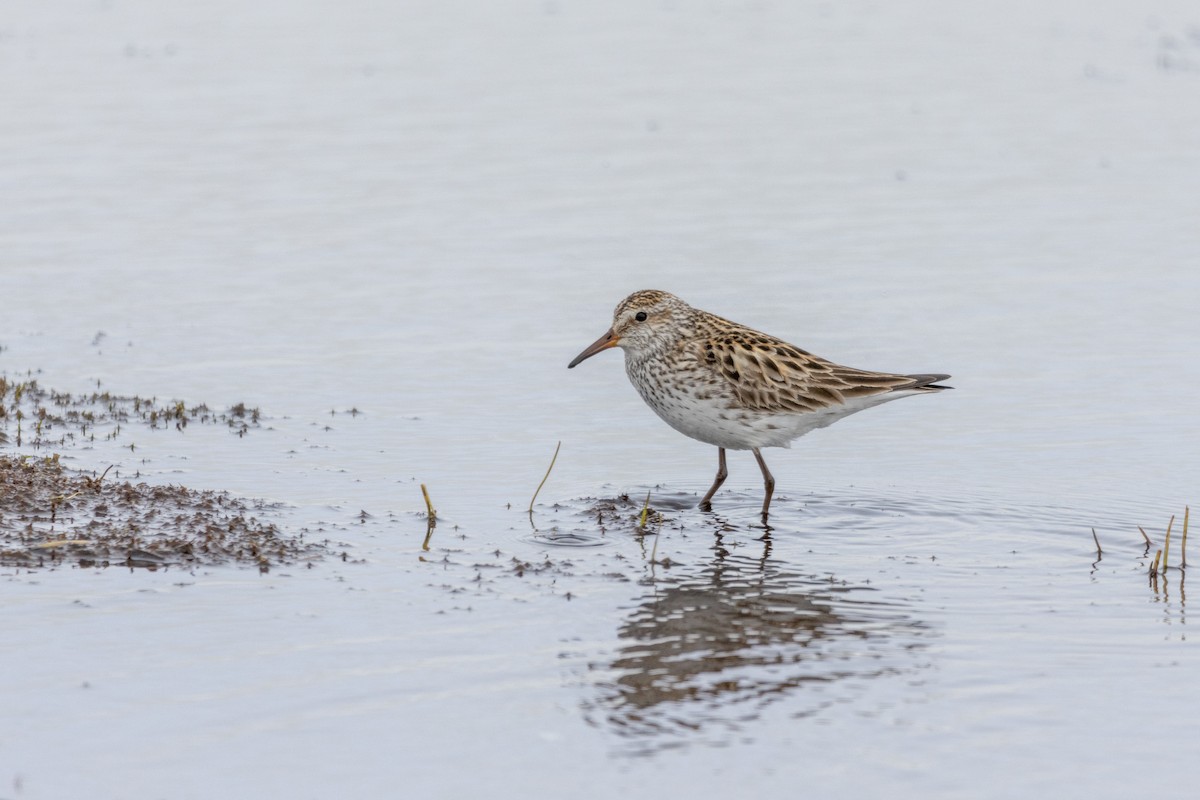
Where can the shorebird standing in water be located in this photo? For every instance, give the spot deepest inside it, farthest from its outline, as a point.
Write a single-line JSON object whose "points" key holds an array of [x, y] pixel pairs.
{"points": [[736, 388]]}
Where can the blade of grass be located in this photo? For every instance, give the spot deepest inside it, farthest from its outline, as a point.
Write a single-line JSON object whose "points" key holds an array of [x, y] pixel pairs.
{"points": [[544, 477], [1167, 545], [1183, 542], [428, 505]]}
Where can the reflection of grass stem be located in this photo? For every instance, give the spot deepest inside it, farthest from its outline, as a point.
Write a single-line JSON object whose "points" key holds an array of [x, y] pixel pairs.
{"points": [[657, 534], [1095, 538], [431, 516], [544, 477]]}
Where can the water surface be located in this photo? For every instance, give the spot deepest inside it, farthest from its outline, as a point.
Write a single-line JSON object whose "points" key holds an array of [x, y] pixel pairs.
{"points": [[420, 213]]}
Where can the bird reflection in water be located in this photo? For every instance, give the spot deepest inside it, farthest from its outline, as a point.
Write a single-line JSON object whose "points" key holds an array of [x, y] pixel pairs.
{"points": [[707, 649]]}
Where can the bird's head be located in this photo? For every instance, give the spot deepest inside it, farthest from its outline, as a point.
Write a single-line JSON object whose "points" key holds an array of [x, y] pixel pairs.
{"points": [[642, 322]]}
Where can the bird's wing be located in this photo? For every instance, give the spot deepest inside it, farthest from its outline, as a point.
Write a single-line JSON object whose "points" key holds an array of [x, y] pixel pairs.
{"points": [[769, 374]]}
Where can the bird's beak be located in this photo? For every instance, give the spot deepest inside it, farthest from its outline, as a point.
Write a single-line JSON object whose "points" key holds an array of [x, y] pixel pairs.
{"points": [[609, 339]]}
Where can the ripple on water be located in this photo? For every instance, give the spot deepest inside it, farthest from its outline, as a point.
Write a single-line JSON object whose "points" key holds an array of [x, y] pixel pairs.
{"points": [[557, 538], [725, 634], [589, 521]]}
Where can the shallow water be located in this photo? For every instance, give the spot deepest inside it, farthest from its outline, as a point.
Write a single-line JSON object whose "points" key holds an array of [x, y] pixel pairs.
{"points": [[421, 213]]}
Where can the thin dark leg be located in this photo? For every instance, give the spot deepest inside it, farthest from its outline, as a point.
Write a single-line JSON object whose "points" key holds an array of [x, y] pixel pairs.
{"points": [[722, 474], [768, 481]]}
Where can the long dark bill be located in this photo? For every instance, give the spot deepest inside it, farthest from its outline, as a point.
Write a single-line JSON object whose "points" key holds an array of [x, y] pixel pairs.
{"points": [[609, 339]]}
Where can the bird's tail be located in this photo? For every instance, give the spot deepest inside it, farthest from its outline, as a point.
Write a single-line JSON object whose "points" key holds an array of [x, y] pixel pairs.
{"points": [[928, 383]]}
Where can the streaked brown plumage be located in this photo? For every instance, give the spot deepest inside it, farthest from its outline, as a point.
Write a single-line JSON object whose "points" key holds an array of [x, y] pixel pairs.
{"points": [[734, 387]]}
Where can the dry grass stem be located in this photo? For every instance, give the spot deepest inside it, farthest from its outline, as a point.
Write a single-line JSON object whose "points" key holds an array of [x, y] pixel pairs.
{"points": [[1167, 545], [544, 477], [645, 511], [1144, 536], [428, 505], [1096, 539], [1183, 541], [1154, 564]]}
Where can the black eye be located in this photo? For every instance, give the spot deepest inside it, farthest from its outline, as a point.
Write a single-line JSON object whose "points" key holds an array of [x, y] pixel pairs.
{"points": [[640, 316]]}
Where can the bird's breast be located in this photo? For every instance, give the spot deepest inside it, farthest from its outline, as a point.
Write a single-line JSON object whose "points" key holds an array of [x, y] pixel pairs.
{"points": [[697, 403]]}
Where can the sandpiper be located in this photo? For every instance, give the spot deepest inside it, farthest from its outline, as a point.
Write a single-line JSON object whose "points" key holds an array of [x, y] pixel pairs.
{"points": [[736, 388]]}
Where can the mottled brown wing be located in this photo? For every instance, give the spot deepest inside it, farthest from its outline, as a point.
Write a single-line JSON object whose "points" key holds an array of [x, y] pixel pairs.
{"points": [[771, 375]]}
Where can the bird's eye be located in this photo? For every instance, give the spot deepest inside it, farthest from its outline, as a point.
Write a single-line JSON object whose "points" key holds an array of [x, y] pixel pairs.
{"points": [[640, 316]]}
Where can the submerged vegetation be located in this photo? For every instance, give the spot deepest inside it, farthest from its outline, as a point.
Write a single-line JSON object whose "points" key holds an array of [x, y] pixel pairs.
{"points": [[1161, 562], [51, 515], [430, 516], [32, 415], [1162, 557]]}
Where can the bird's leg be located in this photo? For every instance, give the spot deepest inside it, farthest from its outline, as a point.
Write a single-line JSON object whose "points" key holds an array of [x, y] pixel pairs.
{"points": [[768, 481], [722, 474]]}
